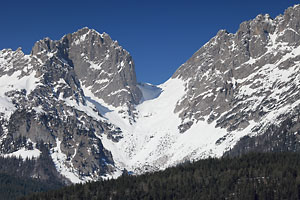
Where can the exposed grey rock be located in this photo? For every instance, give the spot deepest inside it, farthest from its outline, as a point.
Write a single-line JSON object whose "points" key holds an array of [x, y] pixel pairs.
{"points": [[235, 81], [228, 80], [277, 138], [51, 111], [99, 63]]}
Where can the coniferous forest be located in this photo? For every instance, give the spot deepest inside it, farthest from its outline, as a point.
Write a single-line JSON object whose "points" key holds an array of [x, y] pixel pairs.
{"points": [[251, 176], [19, 177]]}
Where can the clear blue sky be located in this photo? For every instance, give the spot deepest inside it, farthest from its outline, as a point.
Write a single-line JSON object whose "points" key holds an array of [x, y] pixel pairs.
{"points": [[160, 35]]}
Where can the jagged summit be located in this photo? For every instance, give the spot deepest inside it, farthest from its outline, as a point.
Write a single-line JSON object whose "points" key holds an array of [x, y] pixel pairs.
{"points": [[79, 95], [45, 97], [102, 66], [237, 74]]}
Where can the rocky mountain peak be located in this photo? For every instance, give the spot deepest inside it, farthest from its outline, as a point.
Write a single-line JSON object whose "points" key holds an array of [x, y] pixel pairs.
{"points": [[45, 100], [77, 93], [96, 56], [224, 63], [43, 46]]}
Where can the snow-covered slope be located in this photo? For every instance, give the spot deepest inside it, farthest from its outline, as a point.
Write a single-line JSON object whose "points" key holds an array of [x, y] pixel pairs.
{"points": [[79, 96], [154, 141], [236, 85], [41, 101]]}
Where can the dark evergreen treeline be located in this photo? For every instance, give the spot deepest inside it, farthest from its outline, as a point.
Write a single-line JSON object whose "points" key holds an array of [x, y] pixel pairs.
{"points": [[13, 187], [19, 177], [16, 180], [41, 168], [251, 176]]}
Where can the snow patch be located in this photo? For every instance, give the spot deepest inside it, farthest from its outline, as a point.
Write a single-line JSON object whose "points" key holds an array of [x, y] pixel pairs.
{"points": [[149, 91], [24, 154], [59, 159]]}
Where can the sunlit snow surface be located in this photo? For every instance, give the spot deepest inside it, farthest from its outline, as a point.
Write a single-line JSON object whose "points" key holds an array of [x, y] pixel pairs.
{"points": [[14, 82], [153, 142], [59, 159], [25, 154]]}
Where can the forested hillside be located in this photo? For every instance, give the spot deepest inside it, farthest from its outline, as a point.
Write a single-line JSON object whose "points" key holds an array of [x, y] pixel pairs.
{"points": [[19, 177], [251, 176], [13, 187]]}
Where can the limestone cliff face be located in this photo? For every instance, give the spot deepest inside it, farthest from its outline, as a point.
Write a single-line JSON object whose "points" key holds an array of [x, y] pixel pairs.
{"points": [[236, 79], [101, 65], [42, 100], [238, 93]]}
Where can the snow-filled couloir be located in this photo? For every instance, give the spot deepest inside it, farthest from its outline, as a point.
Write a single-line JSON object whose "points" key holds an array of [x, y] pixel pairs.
{"points": [[236, 86], [79, 97]]}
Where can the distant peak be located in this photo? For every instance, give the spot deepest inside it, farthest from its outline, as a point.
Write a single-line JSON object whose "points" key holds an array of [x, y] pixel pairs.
{"points": [[46, 39], [263, 17], [86, 30], [292, 9], [82, 31], [222, 32], [104, 34], [45, 44], [295, 6]]}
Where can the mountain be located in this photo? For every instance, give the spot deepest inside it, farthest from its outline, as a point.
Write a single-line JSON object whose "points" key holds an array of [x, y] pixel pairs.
{"points": [[42, 99], [243, 85], [79, 97]]}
